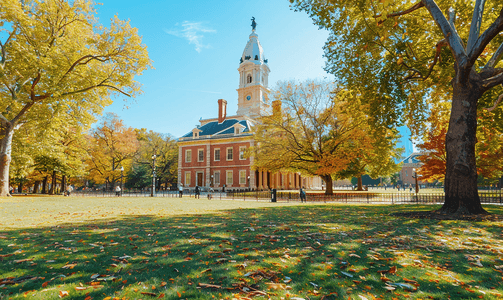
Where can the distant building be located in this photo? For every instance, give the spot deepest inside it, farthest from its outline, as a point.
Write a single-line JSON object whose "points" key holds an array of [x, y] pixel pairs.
{"points": [[409, 168], [213, 153]]}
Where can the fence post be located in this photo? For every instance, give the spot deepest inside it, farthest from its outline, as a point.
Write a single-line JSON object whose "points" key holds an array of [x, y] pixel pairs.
{"points": [[367, 198]]}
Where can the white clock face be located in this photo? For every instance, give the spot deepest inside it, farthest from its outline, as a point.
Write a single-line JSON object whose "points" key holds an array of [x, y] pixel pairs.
{"points": [[248, 97]]}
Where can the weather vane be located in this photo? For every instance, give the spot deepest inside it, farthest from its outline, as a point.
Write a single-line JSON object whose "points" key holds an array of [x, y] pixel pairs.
{"points": [[254, 24]]}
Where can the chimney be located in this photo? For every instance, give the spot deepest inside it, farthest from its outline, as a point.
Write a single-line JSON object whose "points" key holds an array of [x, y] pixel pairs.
{"points": [[222, 110], [276, 107]]}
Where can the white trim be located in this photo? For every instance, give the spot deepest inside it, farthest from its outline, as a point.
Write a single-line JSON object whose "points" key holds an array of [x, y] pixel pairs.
{"points": [[219, 166], [215, 183], [227, 172], [242, 147], [185, 178], [240, 172], [219, 154], [227, 153], [188, 151], [198, 151]]}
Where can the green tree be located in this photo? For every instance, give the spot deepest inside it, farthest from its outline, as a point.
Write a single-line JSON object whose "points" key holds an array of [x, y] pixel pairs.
{"points": [[166, 150], [54, 55], [382, 48]]}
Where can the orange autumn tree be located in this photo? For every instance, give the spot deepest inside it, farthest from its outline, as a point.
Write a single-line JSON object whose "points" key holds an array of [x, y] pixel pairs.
{"points": [[489, 149], [317, 130]]}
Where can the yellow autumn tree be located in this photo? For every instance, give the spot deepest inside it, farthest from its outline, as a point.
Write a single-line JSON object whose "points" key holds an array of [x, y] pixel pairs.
{"points": [[54, 55], [111, 146], [318, 131]]}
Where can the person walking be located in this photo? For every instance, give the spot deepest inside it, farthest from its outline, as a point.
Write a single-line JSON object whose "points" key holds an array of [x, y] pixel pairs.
{"points": [[117, 191], [180, 190], [69, 190], [302, 194], [197, 192]]}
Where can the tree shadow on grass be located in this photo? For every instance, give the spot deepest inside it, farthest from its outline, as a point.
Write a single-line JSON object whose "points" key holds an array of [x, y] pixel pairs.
{"points": [[309, 251]]}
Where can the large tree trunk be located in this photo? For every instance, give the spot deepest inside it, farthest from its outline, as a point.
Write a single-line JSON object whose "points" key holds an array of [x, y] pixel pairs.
{"points": [[461, 192], [63, 184], [5, 158], [360, 184], [36, 187], [328, 183], [44, 184], [53, 183]]}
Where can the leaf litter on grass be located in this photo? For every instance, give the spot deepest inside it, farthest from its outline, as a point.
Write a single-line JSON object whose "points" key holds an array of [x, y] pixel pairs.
{"points": [[316, 252]]}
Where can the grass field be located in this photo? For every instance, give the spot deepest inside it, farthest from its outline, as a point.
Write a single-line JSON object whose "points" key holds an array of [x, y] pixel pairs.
{"points": [[172, 248]]}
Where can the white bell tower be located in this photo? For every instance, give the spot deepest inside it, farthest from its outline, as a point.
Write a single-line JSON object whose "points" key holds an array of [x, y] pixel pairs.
{"points": [[253, 94]]}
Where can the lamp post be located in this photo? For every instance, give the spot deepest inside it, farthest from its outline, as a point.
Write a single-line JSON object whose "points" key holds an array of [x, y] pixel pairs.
{"points": [[249, 187], [211, 183], [152, 193], [122, 175]]}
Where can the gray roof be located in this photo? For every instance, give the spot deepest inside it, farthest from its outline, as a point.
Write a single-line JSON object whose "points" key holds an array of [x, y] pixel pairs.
{"points": [[413, 158], [216, 129]]}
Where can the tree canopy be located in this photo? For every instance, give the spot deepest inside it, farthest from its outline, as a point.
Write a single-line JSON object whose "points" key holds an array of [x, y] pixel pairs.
{"points": [[320, 131], [405, 56], [57, 60]]}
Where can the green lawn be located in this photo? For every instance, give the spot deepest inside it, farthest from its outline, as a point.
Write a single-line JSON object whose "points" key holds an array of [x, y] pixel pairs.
{"points": [[172, 248]]}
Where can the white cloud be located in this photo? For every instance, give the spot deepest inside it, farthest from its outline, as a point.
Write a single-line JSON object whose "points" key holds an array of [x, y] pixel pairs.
{"points": [[192, 32]]}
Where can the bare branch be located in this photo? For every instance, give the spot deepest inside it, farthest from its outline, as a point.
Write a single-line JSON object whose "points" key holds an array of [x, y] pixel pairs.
{"points": [[85, 60], [486, 37], [475, 26], [493, 81], [495, 58], [95, 86], [450, 33], [495, 104], [401, 13], [438, 47], [33, 85]]}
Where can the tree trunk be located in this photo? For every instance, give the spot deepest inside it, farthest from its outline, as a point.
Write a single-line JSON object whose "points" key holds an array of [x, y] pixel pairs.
{"points": [[53, 183], [328, 184], [360, 184], [461, 192], [5, 158], [20, 187], [36, 187], [44, 184], [63, 183]]}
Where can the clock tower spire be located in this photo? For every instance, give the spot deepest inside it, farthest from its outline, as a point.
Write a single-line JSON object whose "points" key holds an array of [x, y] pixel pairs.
{"points": [[253, 79]]}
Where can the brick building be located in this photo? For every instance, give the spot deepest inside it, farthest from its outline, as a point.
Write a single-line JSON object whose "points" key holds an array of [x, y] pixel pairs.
{"points": [[213, 153]]}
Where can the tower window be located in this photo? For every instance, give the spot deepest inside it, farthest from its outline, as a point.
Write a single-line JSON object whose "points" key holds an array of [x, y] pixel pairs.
{"points": [[256, 57], [249, 79]]}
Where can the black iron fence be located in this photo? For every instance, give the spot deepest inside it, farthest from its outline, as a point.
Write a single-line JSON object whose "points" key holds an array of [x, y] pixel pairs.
{"points": [[486, 197]]}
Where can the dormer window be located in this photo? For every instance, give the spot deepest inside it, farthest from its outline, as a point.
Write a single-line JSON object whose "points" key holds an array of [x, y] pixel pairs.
{"points": [[195, 133], [237, 130]]}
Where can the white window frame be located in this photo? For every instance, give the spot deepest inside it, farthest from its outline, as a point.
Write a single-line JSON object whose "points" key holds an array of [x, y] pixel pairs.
{"points": [[187, 176], [242, 151], [188, 155], [199, 155], [216, 178], [227, 154], [242, 178], [227, 181], [215, 154]]}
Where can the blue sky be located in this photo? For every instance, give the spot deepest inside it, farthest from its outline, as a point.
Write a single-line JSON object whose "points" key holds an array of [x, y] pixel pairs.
{"points": [[195, 46]]}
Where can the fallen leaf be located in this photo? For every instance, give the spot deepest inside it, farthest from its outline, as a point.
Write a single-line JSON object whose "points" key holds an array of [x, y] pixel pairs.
{"points": [[63, 294]]}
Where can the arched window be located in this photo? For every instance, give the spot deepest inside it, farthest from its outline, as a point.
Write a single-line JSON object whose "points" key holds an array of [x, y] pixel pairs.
{"points": [[249, 78]]}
